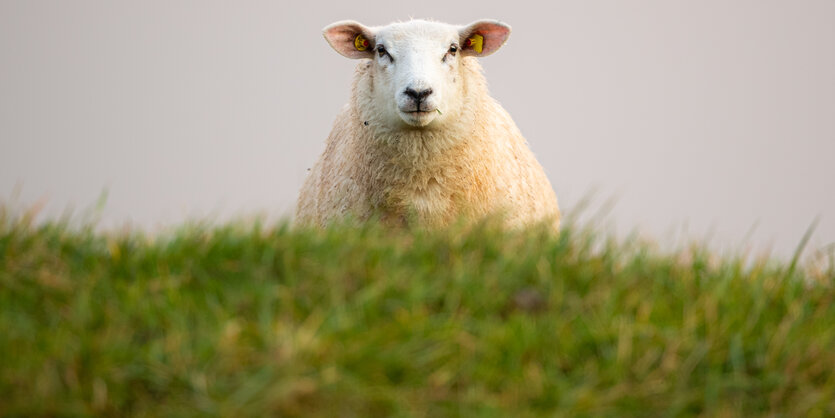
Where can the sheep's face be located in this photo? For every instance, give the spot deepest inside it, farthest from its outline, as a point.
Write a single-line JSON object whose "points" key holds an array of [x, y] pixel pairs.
{"points": [[416, 65], [416, 71]]}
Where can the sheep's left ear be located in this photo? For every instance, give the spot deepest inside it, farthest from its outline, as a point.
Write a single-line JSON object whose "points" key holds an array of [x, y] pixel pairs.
{"points": [[482, 38]]}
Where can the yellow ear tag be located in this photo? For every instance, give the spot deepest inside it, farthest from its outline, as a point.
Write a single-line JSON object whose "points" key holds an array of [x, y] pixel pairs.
{"points": [[361, 43], [476, 42]]}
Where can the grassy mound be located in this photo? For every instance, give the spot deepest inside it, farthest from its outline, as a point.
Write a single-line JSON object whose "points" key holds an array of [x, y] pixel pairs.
{"points": [[246, 320]]}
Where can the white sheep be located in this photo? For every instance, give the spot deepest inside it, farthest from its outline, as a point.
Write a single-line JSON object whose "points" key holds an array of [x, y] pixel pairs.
{"points": [[421, 139]]}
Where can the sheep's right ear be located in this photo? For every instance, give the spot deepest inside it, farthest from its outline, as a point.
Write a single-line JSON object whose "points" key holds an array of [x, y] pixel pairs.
{"points": [[350, 39]]}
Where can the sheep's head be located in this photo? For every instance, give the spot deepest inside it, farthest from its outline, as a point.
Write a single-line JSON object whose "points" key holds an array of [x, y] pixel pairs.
{"points": [[416, 65]]}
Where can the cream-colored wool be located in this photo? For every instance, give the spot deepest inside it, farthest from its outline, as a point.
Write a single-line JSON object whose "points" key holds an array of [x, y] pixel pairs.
{"points": [[471, 161]]}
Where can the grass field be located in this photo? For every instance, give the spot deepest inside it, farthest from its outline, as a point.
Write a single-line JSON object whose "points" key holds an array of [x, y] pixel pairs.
{"points": [[247, 319]]}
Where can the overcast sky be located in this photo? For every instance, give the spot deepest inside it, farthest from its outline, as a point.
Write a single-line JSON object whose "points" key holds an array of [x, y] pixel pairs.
{"points": [[702, 118]]}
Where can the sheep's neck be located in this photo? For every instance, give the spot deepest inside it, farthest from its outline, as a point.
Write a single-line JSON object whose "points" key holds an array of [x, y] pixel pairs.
{"points": [[433, 175]]}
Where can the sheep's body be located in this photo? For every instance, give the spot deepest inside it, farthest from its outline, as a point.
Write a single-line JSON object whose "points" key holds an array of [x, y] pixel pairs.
{"points": [[472, 166]]}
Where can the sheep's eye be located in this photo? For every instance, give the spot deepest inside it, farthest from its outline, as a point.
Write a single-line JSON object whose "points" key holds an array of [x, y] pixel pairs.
{"points": [[451, 52], [381, 51]]}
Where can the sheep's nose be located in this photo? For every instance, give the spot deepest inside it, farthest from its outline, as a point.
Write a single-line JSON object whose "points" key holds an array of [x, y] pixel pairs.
{"points": [[418, 95]]}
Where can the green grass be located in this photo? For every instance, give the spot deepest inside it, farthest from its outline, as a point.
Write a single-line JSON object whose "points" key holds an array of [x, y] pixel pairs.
{"points": [[247, 319]]}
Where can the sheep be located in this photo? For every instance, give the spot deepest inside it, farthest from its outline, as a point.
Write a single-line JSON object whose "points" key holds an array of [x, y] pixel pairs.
{"points": [[421, 140]]}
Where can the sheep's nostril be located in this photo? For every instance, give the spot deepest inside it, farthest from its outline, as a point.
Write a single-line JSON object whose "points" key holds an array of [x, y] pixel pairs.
{"points": [[417, 94]]}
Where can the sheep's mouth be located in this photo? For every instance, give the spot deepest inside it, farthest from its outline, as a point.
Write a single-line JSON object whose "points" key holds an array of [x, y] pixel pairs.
{"points": [[422, 113], [419, 111], [417, 117]]}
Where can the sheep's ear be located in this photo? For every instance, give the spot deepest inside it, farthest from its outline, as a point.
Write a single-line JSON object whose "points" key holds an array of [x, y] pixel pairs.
{"points": [[484, 37], [350, 39]]}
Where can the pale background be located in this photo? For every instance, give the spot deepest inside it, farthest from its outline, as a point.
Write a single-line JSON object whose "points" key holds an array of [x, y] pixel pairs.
{"points": [[704, 119]]}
